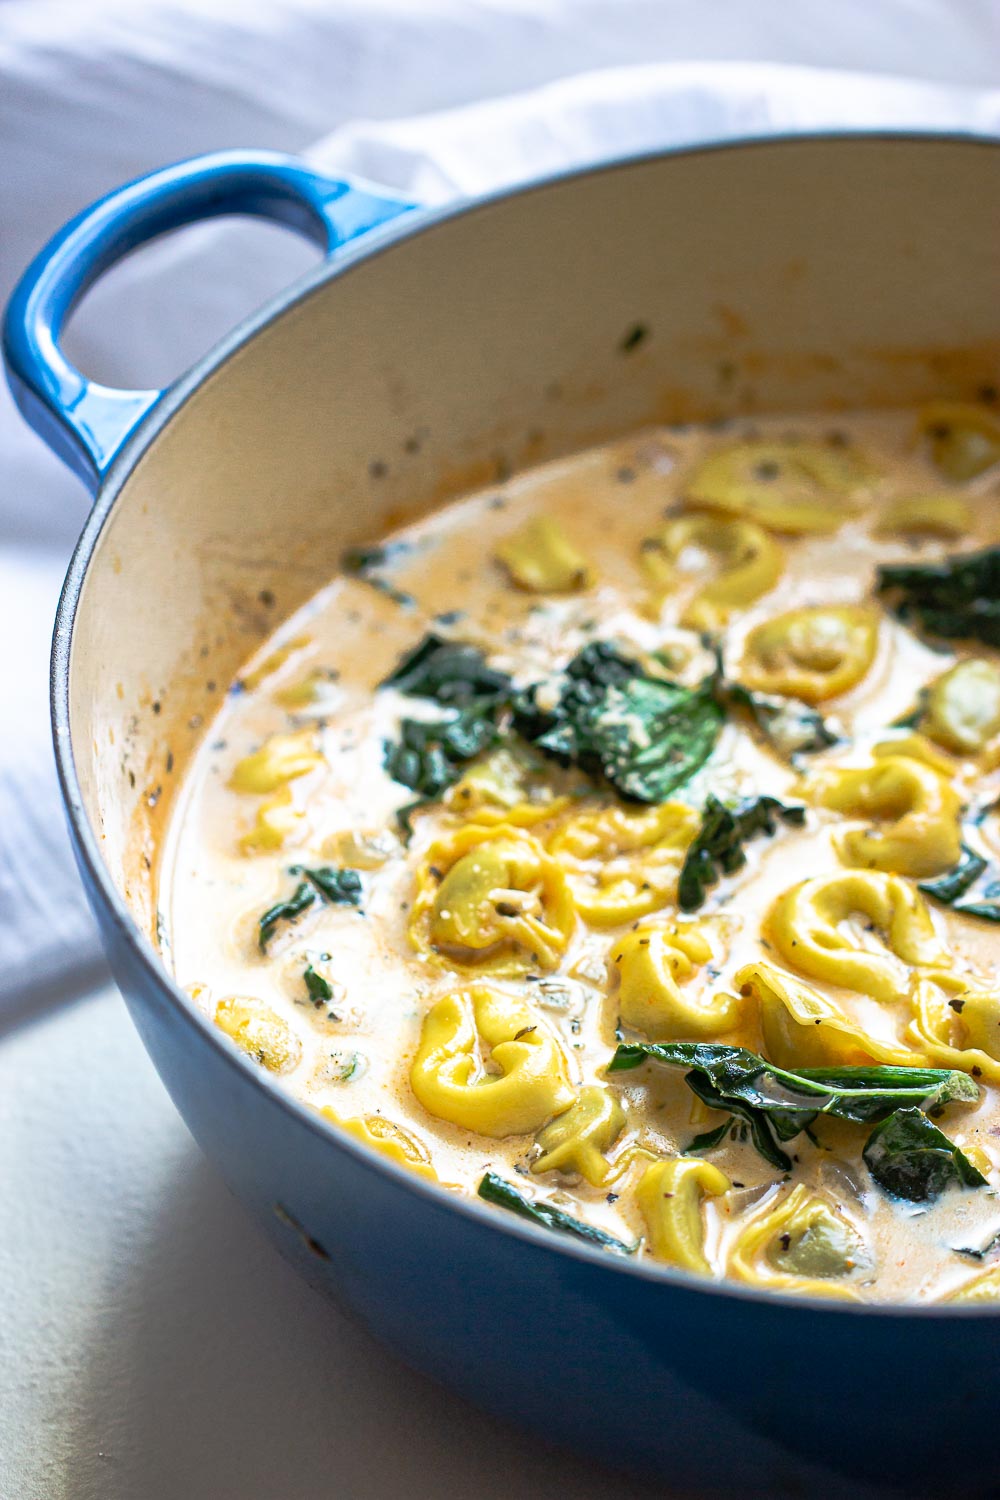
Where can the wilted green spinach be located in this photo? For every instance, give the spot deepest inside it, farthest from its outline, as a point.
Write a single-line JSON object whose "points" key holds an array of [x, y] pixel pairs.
{"points": [[498, 1190], [717, 848], [647, 736]]}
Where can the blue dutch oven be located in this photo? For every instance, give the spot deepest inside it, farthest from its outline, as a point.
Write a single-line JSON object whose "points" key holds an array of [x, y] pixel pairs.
{"points": [[429, 352]]}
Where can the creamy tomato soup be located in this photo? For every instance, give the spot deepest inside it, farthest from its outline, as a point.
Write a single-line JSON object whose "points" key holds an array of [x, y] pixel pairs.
{"points": [[619, 844]]}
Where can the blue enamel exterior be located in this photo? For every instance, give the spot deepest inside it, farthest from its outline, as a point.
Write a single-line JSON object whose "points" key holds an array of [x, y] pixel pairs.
{"points": [[87, 423], [719, 1389]]}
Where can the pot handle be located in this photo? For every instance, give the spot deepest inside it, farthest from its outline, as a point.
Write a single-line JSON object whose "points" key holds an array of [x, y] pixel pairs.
{"points": [[84, 422]]}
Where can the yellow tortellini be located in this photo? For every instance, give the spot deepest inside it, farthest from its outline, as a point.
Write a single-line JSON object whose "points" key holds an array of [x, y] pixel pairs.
{"points": [[957, 1025], [916, 747], [944, 515], [964, 439], [622, 864], [982, 1288], [796, 487], [576, 1140], [525, 1083], [259, 1032], [670, 1196], [813, 654], [279, 760], [495, 782], [801, 1028], [505, 787], [800, 1243], [277, 820], [541, 559], [916, 811], [814, 926], [388, 1139], [749, 564], [493, 901], [648, 967], [963, 706]]}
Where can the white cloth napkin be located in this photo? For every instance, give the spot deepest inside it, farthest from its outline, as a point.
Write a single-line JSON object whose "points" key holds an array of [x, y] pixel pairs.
{"points": [[94, 94]]}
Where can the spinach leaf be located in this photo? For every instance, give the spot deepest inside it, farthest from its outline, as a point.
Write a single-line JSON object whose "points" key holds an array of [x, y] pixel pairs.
{"points": [[318, 988], [777, 1104], [717, 848], [850, 1092], [450, 672], [763, 1130], [960, 879], [284, 911], [790, 727], [497, 1190], [324, 885], [956, 881], [339, 887], [956, 599], [986, 911], [869, 1093], [646, 735], [709, 1138], [428, 757], [910, 1158]]}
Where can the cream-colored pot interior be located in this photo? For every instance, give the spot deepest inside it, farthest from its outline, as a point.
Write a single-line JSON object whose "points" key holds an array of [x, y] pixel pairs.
{"points": [[788, 275]]}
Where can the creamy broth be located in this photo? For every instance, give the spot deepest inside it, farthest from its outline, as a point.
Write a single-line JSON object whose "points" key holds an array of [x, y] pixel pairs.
{"points": [[343, 995]]}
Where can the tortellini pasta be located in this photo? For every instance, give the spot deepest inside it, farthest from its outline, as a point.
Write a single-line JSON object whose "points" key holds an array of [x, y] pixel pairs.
{"points": [[492, 900], [964, 439], [957, 1025], [944, 515], [916, 747], [963, 706], [541, 559], [277, 820], [388, 1139], [279, 760], [814, 926], [917, 830], [813, 654], [259, 1032], [800, 1028], [795, 487], [576, 1141], [670, 1195], [648, 967], [525, 1082], [749, 564], [800, 1243], [496, 782], [623, 864]]}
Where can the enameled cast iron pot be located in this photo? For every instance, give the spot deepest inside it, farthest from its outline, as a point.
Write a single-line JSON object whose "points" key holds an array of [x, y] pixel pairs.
{"points": [[438, 350]]}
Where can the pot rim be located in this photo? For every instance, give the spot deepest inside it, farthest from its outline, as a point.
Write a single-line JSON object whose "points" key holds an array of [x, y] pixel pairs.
{"points": [[377, 242]]}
